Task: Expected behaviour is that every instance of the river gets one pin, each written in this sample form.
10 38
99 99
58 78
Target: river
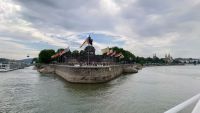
152 90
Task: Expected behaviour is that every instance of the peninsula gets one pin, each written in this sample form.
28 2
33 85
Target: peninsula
85 66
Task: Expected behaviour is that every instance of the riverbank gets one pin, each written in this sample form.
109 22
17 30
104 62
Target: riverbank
89 74
12 67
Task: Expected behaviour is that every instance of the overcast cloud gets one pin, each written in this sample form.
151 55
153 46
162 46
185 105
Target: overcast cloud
144 27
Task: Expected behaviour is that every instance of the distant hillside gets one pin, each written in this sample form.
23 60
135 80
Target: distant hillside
2 60
27 60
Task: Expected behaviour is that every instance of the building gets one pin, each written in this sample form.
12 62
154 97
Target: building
168 59
188 60
154 56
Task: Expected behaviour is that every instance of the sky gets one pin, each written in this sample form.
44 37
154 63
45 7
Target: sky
144 27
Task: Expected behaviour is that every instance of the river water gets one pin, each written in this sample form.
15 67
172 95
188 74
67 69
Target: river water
152 90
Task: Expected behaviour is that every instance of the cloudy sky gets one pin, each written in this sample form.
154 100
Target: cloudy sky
144 27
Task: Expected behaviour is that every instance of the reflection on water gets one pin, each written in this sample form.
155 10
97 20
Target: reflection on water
152 90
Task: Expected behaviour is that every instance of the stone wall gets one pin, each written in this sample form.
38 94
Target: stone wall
46 69
89 74
129 68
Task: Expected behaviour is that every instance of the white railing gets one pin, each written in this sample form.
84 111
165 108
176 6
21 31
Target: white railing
195 99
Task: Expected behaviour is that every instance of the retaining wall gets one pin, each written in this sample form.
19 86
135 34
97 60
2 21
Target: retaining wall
90 74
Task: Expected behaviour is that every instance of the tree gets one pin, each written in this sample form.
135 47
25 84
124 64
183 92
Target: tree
82 55
75 53
68 54
59 50
128 56
35 60
149 60
45 55
156 60
60 58
140 60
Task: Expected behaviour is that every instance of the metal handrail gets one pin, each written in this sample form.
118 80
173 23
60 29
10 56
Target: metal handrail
186 103
197 108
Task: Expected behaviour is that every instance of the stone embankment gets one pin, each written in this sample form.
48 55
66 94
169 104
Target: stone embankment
89 74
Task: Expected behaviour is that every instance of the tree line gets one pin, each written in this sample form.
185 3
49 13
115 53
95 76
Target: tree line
45 56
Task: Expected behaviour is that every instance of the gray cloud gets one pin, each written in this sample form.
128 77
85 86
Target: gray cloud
144 26
74 15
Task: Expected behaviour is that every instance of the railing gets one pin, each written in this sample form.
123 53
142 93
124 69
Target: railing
195 99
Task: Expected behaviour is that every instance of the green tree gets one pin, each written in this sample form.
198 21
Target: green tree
140 60
59 50
156 60
60 58
128 56
68 54
35 60
45 55
75 53
83 55
149 60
